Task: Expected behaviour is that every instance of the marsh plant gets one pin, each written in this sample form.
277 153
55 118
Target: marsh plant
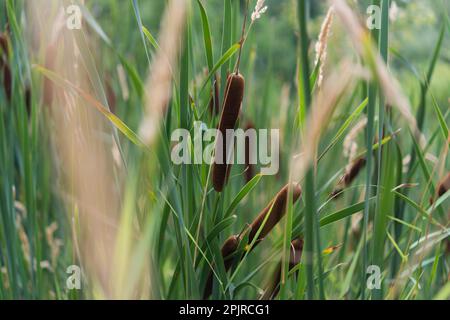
224 149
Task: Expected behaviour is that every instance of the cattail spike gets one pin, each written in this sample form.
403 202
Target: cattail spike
444 185
276 210
234 93
350 175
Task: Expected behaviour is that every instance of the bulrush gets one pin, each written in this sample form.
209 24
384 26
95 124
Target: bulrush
3 49
7 81
4 66
234 93
276 208
444 185
349 176
296 250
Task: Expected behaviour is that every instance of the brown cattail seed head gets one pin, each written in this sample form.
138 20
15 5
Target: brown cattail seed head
277 209
349 176
4 66
3 49
230 246
4 43
234 93
444 185
28 99
296 252
354 170
7 81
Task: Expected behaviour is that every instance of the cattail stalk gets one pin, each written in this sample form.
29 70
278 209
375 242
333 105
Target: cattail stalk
276 209
249 167
234 94
214 103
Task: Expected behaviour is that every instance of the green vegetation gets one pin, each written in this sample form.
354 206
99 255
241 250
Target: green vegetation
87 178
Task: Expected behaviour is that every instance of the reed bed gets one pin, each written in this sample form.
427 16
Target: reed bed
88 180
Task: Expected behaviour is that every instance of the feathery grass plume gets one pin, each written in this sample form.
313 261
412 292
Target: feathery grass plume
54 243
92 193
322 44
273 288
350 142
322 109
159 84
363 43
276 209
50 33
260 8
234 93
249 167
